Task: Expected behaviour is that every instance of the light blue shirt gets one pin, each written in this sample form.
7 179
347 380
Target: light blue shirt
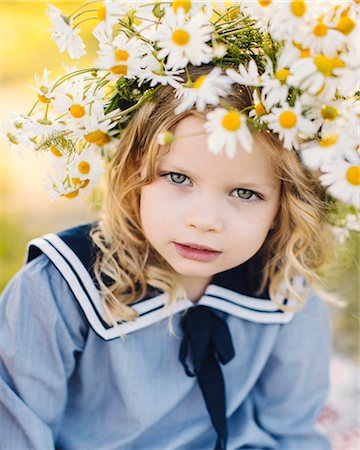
65 386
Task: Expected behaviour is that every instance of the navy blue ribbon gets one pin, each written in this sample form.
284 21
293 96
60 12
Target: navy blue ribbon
208 340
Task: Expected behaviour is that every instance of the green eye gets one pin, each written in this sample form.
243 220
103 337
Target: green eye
245 194
177 178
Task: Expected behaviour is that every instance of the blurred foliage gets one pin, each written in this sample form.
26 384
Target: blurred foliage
25 36
343 278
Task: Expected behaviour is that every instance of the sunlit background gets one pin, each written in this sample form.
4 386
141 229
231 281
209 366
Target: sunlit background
26 211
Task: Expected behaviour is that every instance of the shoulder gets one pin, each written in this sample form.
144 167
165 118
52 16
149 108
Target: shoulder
310 330
38 295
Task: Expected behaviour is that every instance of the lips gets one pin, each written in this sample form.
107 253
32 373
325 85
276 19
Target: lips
200 247
196 252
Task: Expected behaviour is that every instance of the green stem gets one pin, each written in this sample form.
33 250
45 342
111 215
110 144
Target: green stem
73 74
47 110
82 6
143 99
32 109
84 20
84 12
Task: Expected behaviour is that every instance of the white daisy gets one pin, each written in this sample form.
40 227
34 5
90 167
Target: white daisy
86 168
57 157
64 36
96 130
205 90
345 17
16 135
288 122
328 149
320 38
249 76
226 130
44 87
275 90
121 57
291 52
316 75
190 6
259 9
59 184
343 181
183 40
259 109
153 70
109 12
77 98
287 17
349 74
43 126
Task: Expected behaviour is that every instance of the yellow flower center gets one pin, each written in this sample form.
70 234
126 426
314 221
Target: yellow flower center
121 55
84 167
287 119
282 75
305 53
259 109
121 69
180 37
264 3
102 12
56 152
43 99
298 8
329 112
77 111
329 139
185 4
72 194
345 25
320 30
353 175
325 65
337 63
12 138
199 81
84 183
231 121
97 137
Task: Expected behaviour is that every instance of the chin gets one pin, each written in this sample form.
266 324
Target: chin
194 269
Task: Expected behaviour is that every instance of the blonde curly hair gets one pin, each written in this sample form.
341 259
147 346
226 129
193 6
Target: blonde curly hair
126 264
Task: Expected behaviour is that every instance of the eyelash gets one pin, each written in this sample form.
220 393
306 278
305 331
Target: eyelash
169 175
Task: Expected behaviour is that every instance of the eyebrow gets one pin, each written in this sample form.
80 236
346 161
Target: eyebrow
247 184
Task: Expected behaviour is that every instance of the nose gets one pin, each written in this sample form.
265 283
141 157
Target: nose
205 215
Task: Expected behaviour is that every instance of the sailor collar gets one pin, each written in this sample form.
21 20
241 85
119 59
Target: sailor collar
72 253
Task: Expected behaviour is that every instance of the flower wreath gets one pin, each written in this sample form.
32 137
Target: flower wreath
304 86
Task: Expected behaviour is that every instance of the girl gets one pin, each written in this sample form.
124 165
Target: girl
184 318
185 231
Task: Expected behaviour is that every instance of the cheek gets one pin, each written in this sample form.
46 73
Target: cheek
153 209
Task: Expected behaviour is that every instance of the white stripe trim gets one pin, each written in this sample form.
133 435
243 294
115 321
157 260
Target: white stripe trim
74 284
155 316
244 313
80 269
241 299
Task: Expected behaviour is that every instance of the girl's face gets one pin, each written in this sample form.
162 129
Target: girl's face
199 199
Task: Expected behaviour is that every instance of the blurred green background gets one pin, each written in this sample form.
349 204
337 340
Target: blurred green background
26 212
